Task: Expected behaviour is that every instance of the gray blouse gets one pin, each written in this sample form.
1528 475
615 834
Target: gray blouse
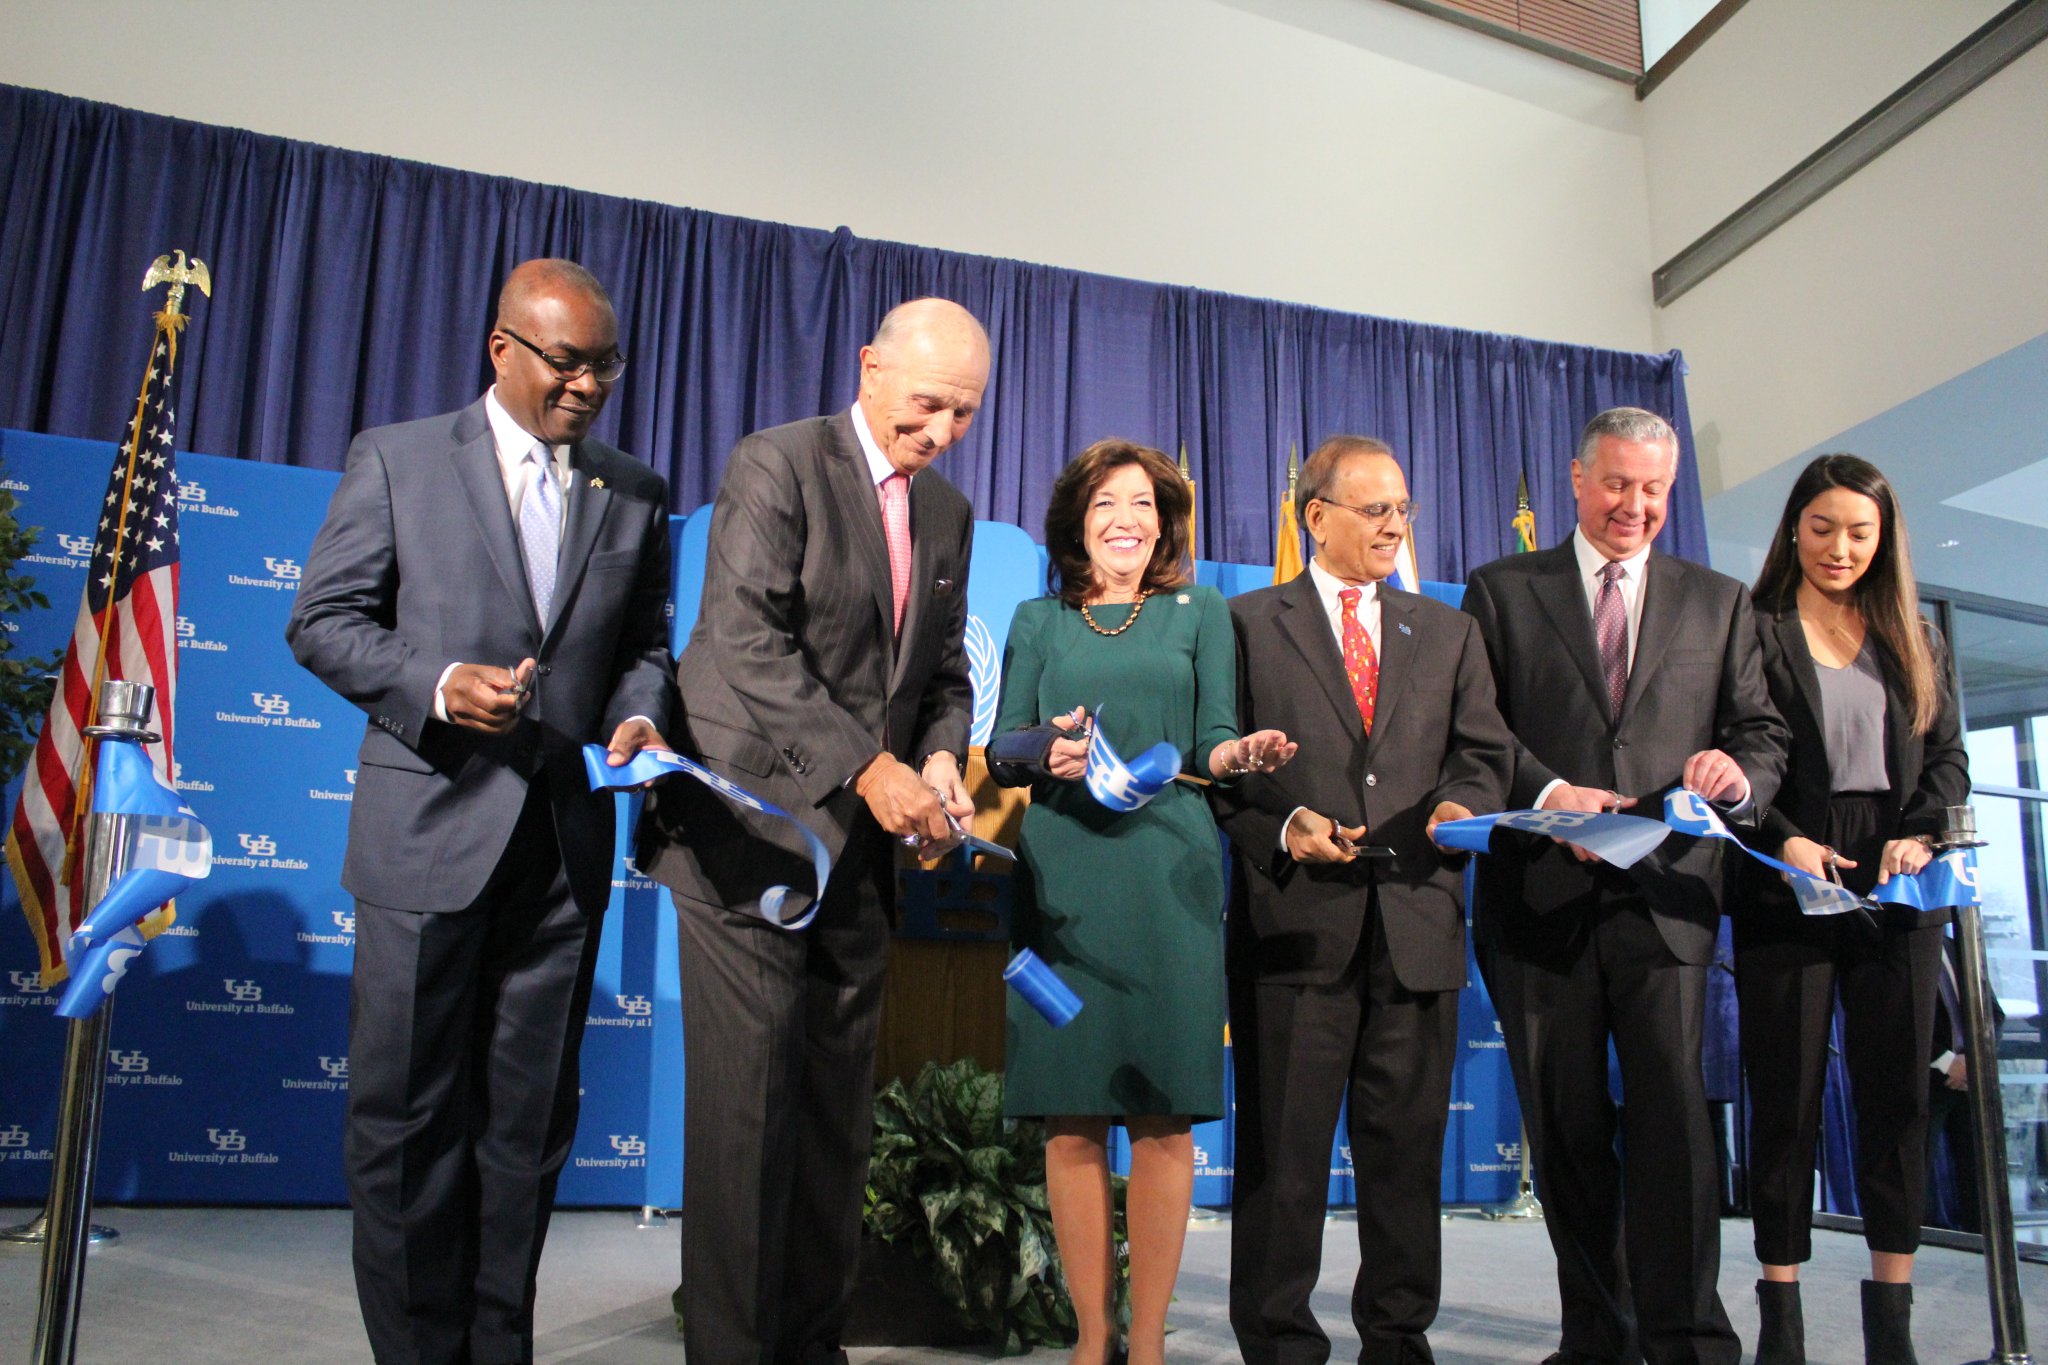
1852 710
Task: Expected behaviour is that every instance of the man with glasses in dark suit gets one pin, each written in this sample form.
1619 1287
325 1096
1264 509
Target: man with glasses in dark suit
488 586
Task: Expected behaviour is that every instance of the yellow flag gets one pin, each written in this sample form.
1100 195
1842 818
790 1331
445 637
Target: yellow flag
1287 553
1525 519
1187 477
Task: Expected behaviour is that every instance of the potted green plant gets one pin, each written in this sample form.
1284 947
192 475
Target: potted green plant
962 1190
25 683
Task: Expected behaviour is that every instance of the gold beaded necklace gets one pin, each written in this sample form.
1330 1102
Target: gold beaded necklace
1129 621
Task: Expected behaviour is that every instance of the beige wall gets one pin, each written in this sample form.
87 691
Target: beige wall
1346 153
1922 265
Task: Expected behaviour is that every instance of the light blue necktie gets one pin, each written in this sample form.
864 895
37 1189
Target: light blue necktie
540 528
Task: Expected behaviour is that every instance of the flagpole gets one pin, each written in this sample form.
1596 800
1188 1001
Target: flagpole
123 717
169 322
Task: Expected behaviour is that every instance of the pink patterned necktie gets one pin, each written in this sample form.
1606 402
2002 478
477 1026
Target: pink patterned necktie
1610 627
1361 664
895 493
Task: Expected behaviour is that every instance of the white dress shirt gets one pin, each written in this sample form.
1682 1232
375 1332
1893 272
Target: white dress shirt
879 467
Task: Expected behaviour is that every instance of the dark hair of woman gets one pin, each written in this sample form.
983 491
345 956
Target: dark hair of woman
1069 573
1885 596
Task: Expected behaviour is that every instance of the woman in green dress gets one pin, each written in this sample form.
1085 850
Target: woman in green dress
1126 906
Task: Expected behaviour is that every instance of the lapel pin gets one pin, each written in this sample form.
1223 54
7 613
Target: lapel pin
1182 599
1402 626
597 483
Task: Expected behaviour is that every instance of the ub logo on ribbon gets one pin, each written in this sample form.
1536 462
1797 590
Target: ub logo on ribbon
629 1144
271 703
635 1006
1122 786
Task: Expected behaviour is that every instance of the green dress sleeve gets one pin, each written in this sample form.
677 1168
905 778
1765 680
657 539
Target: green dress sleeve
1215 679
1023 662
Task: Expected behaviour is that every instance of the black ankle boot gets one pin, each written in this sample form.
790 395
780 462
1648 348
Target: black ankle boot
1888 1324
1781 1340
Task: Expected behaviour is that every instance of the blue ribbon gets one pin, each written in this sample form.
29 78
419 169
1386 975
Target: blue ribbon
778 904
168 849
1947 881
1624 840
1122 786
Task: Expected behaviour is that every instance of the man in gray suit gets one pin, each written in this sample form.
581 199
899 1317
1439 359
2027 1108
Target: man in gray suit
1623 674
826 674
1345 967
488 586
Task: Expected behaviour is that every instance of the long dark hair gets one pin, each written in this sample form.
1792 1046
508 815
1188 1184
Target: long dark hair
1069 574
1885 595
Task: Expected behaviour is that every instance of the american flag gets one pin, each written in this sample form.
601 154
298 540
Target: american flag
127 629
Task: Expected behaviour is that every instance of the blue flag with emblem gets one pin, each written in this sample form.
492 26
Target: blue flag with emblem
167 850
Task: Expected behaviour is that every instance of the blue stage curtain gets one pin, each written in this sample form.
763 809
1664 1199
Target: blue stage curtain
352 290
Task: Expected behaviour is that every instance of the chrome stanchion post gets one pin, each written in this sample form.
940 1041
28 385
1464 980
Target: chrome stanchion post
1987 1111
124 717
1524 1206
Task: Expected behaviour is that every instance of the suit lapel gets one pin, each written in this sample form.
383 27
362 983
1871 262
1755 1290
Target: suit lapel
1307 628
588 505
1563 599
483 483
1799 658
1397 659
1662 608
860 512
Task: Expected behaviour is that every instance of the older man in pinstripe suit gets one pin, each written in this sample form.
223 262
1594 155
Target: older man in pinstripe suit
826 673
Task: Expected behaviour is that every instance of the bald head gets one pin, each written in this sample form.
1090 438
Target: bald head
921 380
552 309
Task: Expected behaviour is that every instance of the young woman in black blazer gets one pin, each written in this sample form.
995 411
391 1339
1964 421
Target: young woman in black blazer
1876 755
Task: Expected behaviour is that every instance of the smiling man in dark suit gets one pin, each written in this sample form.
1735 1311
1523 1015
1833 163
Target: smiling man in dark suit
488 586
1345 967
826 674
1623 674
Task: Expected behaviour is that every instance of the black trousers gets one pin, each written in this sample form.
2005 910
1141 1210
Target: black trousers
1301 1051
779 1033
1789 971
1636 1277
464 1031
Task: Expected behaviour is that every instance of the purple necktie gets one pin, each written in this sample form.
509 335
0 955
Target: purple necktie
1610 626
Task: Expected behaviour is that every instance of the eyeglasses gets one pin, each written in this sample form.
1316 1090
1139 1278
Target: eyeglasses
568 369
1399 512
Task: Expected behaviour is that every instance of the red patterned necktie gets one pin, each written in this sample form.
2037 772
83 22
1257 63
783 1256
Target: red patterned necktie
895 493
1361 664
1610 626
